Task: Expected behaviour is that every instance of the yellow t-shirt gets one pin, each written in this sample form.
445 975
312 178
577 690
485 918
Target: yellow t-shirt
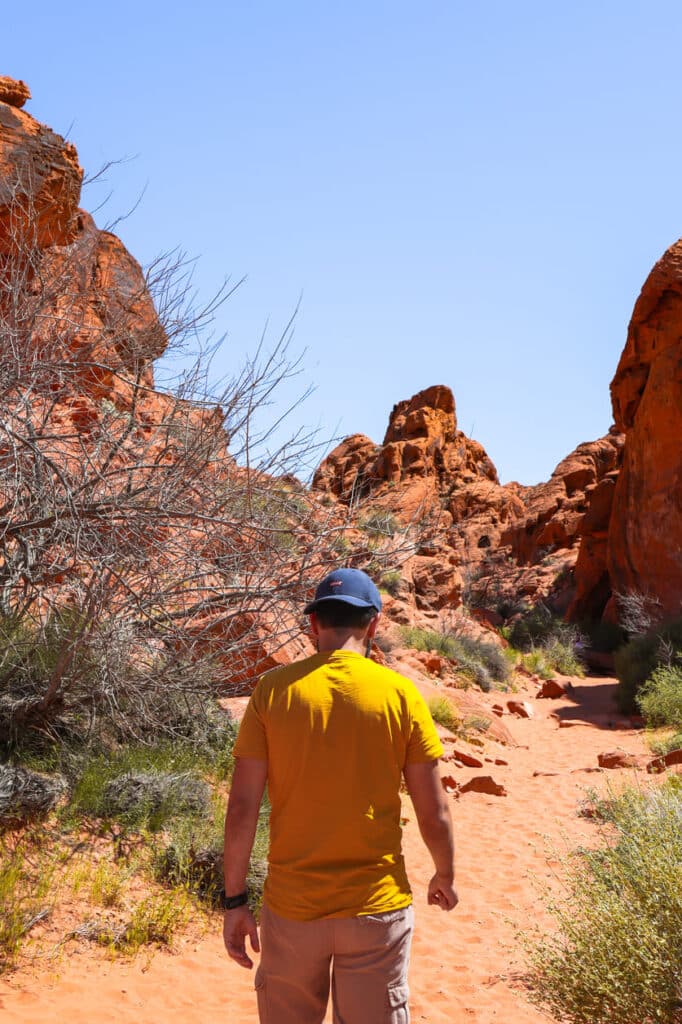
336 730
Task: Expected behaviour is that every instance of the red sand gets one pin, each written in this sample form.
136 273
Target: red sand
466 965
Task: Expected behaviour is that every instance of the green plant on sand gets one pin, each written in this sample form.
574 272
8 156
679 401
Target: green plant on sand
616 957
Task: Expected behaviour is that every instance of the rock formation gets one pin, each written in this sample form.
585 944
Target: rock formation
645 529
40 177
609 519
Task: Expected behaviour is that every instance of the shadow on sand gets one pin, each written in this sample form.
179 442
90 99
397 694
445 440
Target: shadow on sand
594 703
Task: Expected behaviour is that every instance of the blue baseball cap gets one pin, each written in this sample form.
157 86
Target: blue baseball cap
352 586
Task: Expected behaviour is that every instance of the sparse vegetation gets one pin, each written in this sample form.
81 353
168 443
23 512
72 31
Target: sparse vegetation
390 582
547 644
616 957
660 699
444 712
161 837
482 663
664 744
379 524
637 660
27 871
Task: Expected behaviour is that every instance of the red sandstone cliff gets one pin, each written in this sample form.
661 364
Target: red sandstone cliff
645 529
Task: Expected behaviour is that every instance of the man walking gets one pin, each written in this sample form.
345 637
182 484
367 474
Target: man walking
333 736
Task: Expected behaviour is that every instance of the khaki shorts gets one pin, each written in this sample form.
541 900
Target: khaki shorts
364 958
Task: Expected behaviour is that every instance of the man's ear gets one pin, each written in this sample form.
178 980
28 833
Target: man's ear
314 625
372 628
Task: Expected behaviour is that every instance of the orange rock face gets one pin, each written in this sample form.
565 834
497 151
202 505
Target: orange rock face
40 177
98 287
645 530
13 92
555 512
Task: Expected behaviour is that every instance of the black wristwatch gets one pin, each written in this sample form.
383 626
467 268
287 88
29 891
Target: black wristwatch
232 902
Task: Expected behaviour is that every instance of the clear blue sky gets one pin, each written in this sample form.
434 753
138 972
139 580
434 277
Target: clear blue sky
466 194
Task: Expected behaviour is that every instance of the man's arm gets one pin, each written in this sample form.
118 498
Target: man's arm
246 793
435 825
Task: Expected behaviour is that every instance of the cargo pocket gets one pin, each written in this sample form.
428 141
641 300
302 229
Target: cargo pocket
398 1009
261 996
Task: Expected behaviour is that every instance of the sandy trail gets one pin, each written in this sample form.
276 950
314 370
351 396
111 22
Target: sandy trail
466 965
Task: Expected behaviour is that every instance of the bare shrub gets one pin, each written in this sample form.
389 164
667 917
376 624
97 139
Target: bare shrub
154 545
639 612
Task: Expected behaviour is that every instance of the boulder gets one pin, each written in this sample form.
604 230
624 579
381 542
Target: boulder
552 688
483 784
467 759
659 764
520 708
617 759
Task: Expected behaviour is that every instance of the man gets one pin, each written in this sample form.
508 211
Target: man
333 736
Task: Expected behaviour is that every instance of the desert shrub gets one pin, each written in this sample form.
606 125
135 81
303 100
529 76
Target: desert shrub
605 637
443 712
379 524
664 744
637 660
191 854
660 699
553 644
537 627
476 723
106 884
25 794
427 640
639 613
616 957
93 773
153 799
536 662
390 582
154 921
562 656
483 663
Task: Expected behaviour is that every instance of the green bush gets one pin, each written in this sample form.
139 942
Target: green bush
548 643
637 660
443 712
616 957
390 582
481 662
427 640
562 656
660 699
664 744
536 662
93 772
536 627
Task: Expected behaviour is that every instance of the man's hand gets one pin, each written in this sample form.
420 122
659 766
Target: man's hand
237 924
442 893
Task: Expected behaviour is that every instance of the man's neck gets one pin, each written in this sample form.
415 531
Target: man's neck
333 641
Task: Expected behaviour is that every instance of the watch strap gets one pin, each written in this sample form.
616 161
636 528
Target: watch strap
232 902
